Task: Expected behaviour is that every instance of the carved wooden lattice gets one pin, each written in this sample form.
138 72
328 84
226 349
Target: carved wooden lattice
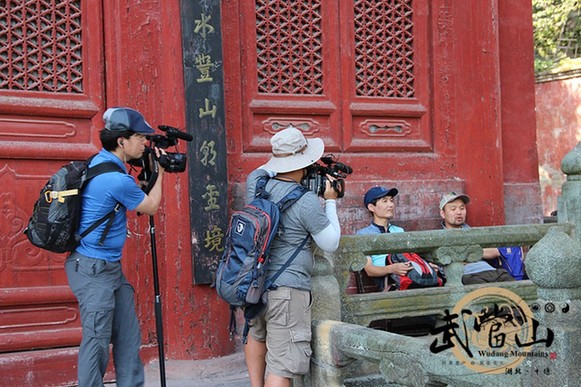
384 48
289 50
41 46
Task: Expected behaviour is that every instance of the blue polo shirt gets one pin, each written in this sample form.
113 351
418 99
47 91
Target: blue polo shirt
100 196
373 228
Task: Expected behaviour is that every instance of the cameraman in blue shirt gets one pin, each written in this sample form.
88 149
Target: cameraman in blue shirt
105 297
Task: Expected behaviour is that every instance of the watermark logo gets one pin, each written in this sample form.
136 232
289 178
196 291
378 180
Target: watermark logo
491 330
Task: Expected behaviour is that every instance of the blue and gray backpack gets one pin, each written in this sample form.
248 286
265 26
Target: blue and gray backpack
241 275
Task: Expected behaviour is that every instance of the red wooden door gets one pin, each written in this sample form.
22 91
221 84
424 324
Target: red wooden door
51 96
325 66
357 74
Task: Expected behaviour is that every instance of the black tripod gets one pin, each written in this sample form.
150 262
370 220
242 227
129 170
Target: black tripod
150 175
158 319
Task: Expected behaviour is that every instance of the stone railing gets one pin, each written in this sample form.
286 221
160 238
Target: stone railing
448 248
344 346
341 336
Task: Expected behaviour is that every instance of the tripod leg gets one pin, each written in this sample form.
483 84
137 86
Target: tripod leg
158 309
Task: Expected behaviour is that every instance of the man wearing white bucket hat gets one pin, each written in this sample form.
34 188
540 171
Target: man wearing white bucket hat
286 321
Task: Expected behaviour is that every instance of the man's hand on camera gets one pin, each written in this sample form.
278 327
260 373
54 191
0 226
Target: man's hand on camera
330 192
158 153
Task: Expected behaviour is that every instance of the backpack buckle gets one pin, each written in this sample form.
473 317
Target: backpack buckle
60 196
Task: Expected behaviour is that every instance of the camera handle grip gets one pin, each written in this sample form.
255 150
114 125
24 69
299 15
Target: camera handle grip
153 177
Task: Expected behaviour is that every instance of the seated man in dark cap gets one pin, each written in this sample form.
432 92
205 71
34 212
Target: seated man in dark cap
380 203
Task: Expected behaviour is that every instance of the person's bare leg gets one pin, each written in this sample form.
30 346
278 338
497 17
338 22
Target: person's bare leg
255 354
277 381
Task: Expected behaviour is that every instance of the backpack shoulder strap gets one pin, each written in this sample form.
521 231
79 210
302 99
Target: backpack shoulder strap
252 311
282 205
260 191
291 197
270 281
101 168
106 218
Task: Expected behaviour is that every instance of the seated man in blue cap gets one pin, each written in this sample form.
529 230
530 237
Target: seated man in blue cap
380 202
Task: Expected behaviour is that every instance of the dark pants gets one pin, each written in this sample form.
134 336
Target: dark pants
497 275
107 308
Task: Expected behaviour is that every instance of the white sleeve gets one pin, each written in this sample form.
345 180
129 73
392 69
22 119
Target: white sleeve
328 238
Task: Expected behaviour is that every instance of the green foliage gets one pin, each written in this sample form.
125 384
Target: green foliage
556 23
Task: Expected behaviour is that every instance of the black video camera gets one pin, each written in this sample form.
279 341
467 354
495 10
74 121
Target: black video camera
172 162
316 178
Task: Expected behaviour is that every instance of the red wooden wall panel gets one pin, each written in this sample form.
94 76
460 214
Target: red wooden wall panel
477 104
386 102
444 124
288 70
145 70
519 126
51 91
131 55
385 77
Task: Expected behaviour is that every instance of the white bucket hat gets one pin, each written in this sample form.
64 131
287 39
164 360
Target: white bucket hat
292 151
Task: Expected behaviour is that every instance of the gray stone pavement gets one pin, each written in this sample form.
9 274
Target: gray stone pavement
224 371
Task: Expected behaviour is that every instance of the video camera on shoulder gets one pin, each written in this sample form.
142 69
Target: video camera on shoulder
172 162
316 178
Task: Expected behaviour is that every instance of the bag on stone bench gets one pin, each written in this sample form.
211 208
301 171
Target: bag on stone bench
364 283
421 276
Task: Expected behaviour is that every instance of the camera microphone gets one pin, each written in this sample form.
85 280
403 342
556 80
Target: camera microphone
175 132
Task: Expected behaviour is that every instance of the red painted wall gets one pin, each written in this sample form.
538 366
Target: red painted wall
519 151
132 57
478 118
558 113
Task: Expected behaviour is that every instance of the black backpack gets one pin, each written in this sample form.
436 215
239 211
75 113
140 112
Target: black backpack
55 218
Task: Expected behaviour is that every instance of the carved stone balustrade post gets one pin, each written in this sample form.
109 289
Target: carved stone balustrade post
569 202
554 265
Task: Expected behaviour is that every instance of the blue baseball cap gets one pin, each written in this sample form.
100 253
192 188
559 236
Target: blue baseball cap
377 193
122 118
